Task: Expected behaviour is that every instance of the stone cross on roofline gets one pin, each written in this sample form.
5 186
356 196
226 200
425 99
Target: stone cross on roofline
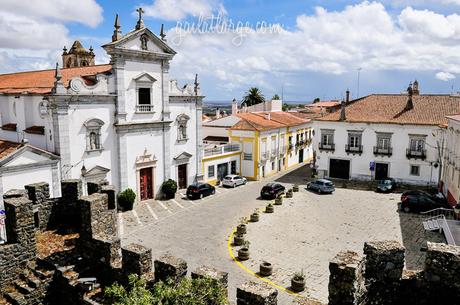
140 22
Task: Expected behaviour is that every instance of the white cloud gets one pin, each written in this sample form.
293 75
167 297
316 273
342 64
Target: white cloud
445 76
180 9
32 34
329 42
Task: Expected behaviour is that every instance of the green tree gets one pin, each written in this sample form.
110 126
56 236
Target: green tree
316 100
276 97
286 107
253 97
186 292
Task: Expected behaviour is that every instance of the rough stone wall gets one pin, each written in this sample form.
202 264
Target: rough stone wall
39 194
387 282
21 245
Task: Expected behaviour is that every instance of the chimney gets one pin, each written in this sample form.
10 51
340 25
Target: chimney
268 116
234 107
415 88
410 93
343 116
348 97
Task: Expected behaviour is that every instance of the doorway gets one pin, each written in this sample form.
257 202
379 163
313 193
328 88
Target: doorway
301 156
222 171
182 176
339 169
146 185
233 168
381 171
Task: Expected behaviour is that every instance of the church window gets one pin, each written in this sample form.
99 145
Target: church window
144 96
93 134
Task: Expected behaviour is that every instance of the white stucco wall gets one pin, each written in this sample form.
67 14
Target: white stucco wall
399 164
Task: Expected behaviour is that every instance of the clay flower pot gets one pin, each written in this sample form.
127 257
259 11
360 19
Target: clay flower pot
289 194
295 188
270 209
238 239
279 200
243 254
265 269
241 229
254 217
297 284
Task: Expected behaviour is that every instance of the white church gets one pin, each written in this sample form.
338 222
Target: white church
126 122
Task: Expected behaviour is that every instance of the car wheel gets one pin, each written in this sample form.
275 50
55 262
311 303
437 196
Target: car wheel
201 196
234 185
213 191
319 191
406 209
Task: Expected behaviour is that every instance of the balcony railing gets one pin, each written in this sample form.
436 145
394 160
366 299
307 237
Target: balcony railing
354 149
221 150
382 151
273 154
264 155
290 147
416 154
144 108
282 150
247 156
326 147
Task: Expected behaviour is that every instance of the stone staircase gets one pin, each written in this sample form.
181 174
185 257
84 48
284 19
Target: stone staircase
30 288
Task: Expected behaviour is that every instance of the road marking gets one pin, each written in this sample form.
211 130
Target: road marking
152 212
177 203
120 224
162 205
137 217
230 251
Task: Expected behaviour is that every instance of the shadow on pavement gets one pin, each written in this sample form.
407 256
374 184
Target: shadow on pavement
299 176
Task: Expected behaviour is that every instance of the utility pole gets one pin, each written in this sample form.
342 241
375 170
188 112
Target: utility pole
359 74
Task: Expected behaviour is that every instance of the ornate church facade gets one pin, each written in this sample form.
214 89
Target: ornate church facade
126 122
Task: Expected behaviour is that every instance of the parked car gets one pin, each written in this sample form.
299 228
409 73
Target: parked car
420 201
387 185
200 190
233 181
321 186
438 197
272 190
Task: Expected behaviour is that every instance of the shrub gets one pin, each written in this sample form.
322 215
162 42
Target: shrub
299 276
126 199
186 292
169 189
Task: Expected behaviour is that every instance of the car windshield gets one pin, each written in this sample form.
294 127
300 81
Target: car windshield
386 182
228 178
328 184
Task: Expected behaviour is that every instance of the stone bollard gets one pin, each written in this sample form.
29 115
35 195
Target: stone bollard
213 274
251 293
111 194
384 260
346 282
170 267
136 259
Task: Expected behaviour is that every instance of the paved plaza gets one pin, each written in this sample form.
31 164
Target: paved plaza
304 233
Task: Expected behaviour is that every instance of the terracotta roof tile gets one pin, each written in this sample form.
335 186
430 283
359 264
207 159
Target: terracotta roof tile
323 104
259 121
454 117
7 148
390 109
42 82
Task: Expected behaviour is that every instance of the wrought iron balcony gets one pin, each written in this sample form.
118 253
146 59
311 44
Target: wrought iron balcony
264 155
282 151
382 151
354 149
326 147
416 153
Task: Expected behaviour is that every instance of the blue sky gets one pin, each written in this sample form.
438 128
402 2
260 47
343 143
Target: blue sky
315 51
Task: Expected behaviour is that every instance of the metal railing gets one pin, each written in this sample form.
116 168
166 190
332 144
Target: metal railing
264 155
144 108
282 150
447 213
222 149
416 153
383 151
328 147
354 149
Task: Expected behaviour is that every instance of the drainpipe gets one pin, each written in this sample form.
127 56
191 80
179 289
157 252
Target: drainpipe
163 119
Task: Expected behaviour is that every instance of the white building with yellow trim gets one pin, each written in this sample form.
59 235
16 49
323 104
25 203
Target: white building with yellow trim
261 144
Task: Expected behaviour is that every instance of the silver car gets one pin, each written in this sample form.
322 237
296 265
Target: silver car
234 181
321 186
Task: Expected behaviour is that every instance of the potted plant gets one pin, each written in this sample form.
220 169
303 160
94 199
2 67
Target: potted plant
241 228
238 239
295 188
269 208
255 216
265 269
298 282
243 253
289 193
126 200
279 200
169 189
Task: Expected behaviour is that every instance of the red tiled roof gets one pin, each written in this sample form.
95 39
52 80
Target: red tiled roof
7 148
454 117
390 109
323 104
42 82
259 121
